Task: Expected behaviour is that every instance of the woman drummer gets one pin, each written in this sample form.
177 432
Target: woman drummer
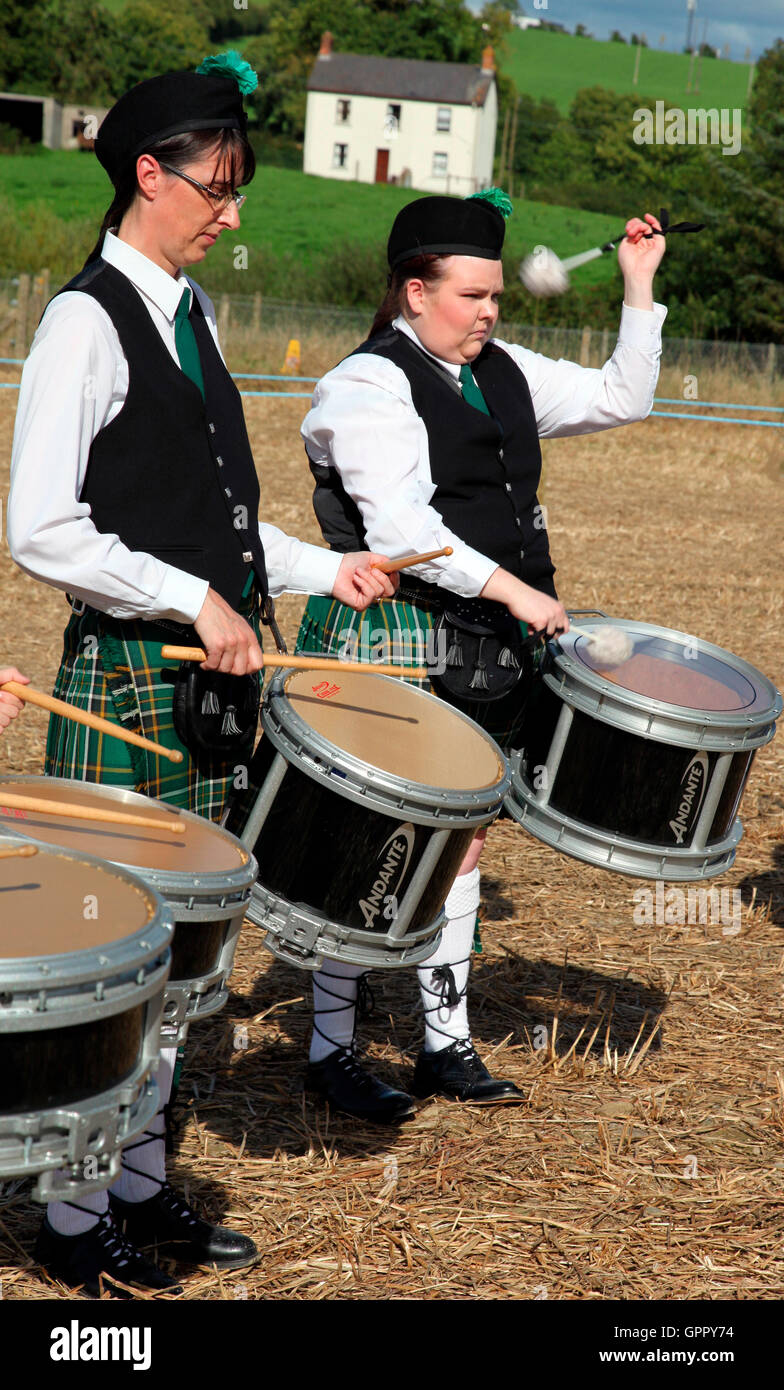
133 488
428 436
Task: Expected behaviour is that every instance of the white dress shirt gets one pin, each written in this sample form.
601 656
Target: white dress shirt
74 383
363 423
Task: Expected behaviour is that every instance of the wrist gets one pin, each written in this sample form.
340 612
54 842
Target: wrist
638 293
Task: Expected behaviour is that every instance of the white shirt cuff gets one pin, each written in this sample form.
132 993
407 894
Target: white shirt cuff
314 571
641 328
181 596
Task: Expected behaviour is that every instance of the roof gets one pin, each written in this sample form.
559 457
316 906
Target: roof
407 79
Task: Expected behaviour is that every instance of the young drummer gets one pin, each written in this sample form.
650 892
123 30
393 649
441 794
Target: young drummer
133 488
428 436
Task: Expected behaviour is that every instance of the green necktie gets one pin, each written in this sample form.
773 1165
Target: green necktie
185 343
471 392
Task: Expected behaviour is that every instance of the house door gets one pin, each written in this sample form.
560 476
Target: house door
382 165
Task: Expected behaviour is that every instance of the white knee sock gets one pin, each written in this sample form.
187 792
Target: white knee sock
144 1158
335 989
72 1218
447 1022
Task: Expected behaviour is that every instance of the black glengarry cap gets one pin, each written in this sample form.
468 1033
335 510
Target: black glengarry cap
440 226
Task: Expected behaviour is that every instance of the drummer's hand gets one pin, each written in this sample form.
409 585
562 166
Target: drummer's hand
358 584
10 705
230 642
542 613
639 256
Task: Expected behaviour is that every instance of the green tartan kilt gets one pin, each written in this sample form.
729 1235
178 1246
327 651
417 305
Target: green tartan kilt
397 631
115 669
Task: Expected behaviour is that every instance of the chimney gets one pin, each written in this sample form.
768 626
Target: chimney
326 45
488 59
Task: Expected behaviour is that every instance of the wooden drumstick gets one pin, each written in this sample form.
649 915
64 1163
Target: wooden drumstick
22 852
92 721
39 805
405 561
307 663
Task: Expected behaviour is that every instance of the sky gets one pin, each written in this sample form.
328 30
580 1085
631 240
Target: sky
755 26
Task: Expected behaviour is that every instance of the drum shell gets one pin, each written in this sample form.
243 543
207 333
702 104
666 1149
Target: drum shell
354 862
207 908
333 829
624 783
636 785
79 1039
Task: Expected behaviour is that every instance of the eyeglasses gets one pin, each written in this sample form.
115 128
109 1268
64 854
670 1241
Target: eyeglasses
219 200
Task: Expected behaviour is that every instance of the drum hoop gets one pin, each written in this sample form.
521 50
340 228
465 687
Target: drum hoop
750 731
204 883
290 733
63 969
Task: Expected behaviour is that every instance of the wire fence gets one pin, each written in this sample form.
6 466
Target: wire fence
256 327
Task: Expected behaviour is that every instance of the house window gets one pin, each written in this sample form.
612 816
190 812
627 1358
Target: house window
339 156
392 119
343 111
444 119
440 163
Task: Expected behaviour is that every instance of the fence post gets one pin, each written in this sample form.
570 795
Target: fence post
771 360
604 351
224 311
22 309
585 348
256 313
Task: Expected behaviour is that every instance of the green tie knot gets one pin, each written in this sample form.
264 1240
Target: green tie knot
471 393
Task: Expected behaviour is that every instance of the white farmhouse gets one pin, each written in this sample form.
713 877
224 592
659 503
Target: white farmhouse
425 125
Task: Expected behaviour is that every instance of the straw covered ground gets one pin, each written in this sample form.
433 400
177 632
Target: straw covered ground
647 1160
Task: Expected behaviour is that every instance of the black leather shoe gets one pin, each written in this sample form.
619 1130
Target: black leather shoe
101 1253
167 1221
348 1087
458 1073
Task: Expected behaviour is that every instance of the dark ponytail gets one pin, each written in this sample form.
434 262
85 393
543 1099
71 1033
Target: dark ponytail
179 151
429 268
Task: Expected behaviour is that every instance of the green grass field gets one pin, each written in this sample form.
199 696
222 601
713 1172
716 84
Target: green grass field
555 66
287 213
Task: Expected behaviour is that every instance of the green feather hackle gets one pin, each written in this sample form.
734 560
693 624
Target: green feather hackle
497 199
230 65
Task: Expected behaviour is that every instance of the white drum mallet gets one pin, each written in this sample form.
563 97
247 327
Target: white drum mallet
545 274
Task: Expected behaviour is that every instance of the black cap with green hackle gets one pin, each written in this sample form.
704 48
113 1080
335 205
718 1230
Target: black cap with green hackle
208 99
440 226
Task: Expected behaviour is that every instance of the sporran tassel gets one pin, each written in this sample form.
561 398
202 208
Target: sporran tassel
230 725
479 680
507 659
209 704
454 656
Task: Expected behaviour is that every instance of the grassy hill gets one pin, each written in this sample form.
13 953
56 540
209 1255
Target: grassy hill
287 215
547 64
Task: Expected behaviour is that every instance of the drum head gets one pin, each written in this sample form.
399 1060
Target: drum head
674 669
203 849
52 903
395 728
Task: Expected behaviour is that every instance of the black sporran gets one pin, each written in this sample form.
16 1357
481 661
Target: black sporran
215 715
485 655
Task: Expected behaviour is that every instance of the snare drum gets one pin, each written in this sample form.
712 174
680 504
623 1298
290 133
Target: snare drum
84 958
641 769
204 875
364 796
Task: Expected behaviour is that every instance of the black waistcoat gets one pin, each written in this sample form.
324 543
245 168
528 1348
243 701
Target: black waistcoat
172 474
486 468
